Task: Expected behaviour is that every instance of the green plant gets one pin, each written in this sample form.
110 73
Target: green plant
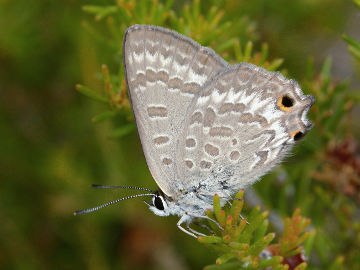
242 244
245 243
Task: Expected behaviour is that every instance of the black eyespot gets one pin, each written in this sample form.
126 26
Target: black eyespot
287 101
158 203
298 135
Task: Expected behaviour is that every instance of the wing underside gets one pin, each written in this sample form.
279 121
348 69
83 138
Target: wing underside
164 72
238 127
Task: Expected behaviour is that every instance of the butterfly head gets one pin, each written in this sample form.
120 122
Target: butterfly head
159 205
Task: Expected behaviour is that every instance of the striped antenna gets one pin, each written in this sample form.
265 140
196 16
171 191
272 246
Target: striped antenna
80 212
124 187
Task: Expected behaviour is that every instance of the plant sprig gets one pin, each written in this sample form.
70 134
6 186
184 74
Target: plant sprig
246 244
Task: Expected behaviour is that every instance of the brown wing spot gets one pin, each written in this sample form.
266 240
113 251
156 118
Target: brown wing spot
262 120
199 70
205 164
163 76
226 108
234 155
151 75
175 83
297 135
196 118
220 132
190 143
285 103
249 118
234 141
161 140
166 161
157 111
209 117
245 118
190 88
239 107
189 164
211 150
182 61
140 80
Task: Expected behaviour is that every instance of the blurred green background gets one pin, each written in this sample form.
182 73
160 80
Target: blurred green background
50 152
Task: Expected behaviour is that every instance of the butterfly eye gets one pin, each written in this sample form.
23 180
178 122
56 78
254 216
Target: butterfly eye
297 135
285 103
157 202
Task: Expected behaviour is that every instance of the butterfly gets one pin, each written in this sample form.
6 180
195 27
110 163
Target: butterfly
206 127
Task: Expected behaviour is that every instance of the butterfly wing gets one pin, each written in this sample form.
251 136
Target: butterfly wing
239 126
164 70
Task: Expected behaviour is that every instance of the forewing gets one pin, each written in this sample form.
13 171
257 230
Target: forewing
164 70
239 126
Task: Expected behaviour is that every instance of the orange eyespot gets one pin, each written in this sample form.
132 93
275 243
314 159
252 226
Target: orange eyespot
297 135
285 103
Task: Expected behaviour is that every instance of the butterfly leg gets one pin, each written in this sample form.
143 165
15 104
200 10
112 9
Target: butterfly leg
205 227
185 218
193 231
206 217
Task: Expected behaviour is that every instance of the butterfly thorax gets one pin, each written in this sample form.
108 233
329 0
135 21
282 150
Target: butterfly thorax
193 202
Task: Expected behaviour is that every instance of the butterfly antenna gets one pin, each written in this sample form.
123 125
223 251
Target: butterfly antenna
80 212
124 187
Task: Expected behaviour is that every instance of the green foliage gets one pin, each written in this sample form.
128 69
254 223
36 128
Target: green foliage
50 153
330 115
245 243
354 46
332 99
